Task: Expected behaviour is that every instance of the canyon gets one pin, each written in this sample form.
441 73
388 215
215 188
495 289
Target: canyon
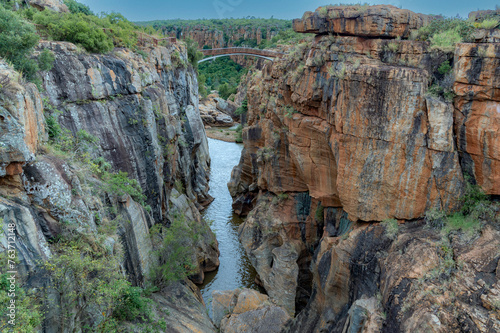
342 133
351 169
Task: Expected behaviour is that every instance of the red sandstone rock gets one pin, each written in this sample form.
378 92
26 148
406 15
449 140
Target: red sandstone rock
372 21
477 112
354 130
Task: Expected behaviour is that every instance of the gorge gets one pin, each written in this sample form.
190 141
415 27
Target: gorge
364 197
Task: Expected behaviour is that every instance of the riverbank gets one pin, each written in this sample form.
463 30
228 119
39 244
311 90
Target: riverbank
227 134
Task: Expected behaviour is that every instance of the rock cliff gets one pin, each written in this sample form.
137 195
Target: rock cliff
345 131
224 37
121 112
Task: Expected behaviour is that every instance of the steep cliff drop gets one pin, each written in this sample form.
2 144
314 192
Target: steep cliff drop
127 157
345 132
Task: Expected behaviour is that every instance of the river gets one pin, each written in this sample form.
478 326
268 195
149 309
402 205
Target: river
235 270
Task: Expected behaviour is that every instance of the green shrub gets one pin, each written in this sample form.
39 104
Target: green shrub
17 40
391 228
202 89
54 130
175 250
338 71
46 60
29 315
192 52
239 137
319 214
446 40
472 197
463 28
489 23
445 68
132 305
120 184
87 30
226 90
458 221
242 109
476 207
75 28
177 61
435 218
222 71
76 7
290 111
85 280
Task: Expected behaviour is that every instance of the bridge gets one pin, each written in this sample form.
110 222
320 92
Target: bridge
229 51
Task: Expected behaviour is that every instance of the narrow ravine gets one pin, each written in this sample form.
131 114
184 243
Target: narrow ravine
235 270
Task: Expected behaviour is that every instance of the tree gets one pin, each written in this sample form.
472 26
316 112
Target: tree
17 40
85 281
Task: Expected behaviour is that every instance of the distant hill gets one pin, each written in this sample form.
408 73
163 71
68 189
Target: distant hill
213 33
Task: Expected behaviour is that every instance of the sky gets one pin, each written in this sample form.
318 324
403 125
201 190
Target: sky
146 10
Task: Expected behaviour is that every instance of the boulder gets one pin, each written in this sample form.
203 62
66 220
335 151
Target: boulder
216 111
55 5
269 319
229 302
228 107
246 311
181 306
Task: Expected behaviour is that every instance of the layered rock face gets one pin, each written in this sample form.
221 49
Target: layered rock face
219 38
477 112
22 124
361 20
343 132
353 129
141 116
366 282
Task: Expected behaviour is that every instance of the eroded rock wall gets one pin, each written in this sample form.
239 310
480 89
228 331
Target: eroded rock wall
141 114
352 128
348 122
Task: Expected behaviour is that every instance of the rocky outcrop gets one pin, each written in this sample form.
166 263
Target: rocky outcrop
221 37
477 116
22 126
181 306
116 112
343 132
328 136
365 282
361 20
246 310
277 236
217 112
55 5
206 254
127 102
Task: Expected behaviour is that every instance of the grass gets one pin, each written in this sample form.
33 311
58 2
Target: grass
489 24
445 41
475 211
391 228
338 72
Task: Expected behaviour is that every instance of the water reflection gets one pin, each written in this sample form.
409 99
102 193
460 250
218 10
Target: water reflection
235 270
